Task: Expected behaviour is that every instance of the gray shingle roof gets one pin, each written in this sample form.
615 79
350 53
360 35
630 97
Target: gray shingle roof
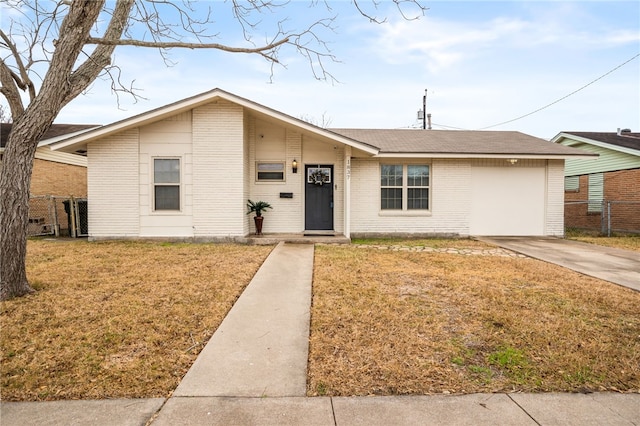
625 140
54 131
417 141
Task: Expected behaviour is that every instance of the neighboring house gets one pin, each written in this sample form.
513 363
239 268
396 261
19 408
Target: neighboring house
610 184
186 171
57 174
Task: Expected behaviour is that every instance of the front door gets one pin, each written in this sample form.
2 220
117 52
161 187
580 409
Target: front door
318 198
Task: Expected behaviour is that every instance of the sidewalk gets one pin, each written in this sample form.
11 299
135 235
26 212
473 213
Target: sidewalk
253 372
602 409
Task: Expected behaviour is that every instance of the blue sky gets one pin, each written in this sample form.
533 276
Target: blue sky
483 63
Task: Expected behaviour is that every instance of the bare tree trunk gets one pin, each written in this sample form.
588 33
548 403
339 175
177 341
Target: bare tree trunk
61 84
15 182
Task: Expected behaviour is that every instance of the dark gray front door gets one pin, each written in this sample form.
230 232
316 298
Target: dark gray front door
318 198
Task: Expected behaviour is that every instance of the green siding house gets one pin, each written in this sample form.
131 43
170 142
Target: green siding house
603 194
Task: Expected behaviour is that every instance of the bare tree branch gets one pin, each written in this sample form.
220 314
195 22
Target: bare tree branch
86 73
177 44
22 81
10 91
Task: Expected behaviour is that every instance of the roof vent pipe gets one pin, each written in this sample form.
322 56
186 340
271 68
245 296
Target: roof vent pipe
619 129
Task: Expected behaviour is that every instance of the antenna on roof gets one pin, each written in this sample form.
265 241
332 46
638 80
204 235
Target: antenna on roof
422 114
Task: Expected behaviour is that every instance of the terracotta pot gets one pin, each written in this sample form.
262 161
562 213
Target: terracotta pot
258 221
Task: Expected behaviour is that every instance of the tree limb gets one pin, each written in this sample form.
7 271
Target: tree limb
86 73
179 44
10 91
22 81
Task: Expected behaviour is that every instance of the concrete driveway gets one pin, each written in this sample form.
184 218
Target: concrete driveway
614 265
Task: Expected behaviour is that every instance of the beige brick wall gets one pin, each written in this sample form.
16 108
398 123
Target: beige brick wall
449 200
51 178
218 163
114 201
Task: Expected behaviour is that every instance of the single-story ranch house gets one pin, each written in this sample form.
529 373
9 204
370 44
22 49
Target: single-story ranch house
186 171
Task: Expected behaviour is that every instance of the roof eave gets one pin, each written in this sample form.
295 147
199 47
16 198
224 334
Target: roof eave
486 155
66 143
54 140
581 139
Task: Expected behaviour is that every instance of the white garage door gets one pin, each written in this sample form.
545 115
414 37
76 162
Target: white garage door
507 201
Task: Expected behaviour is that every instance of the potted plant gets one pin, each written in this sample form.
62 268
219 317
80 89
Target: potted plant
258 207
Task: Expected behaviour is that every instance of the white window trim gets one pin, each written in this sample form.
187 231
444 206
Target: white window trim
153 187
405 193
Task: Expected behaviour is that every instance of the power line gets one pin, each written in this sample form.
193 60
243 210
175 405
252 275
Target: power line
448 127
564 97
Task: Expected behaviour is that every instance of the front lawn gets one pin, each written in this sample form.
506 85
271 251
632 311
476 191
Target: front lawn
119 319
398 322
116 319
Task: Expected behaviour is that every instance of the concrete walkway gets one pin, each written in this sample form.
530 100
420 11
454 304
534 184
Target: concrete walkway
253 372
261 347
618 266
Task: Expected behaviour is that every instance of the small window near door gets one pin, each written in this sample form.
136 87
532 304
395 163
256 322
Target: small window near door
319 175
166 184
269 171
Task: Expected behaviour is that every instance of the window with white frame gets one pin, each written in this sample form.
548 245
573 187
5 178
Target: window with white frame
166 184
404 187
270 171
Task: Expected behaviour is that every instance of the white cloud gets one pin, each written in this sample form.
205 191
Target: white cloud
443 43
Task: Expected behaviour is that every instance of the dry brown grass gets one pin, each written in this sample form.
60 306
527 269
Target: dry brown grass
436 243
116 319
128 319
628 242
387 322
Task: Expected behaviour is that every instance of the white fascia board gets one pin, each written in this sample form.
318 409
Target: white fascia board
475 156
52 141
580 139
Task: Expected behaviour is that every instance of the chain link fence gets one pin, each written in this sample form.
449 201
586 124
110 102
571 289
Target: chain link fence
603 216
58 216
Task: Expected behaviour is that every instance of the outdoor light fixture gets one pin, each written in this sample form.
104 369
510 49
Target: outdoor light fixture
512 161
294 166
